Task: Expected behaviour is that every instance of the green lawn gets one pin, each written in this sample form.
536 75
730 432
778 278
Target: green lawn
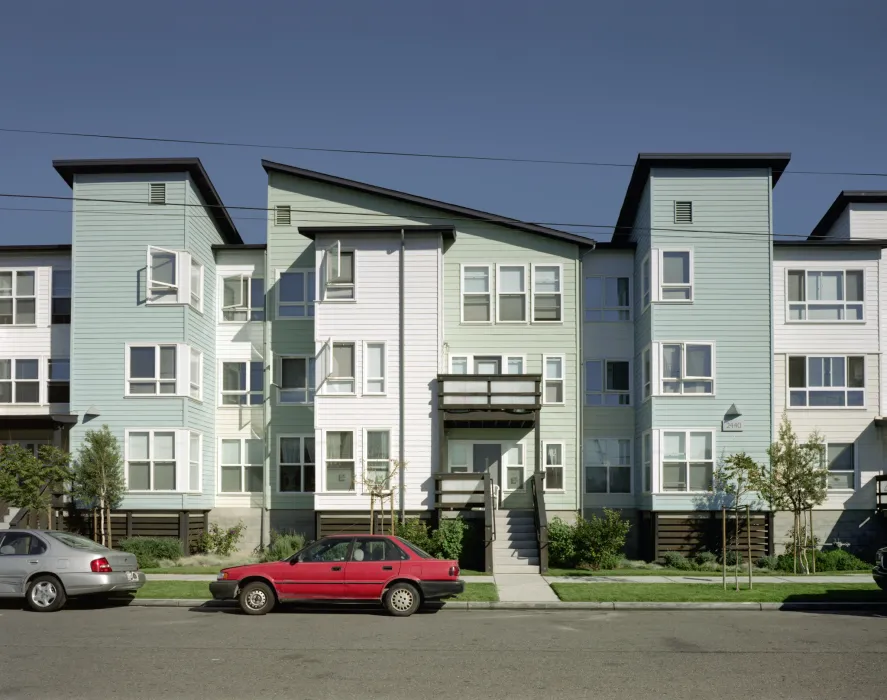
713 593
682 572
472 572
185 570
478 592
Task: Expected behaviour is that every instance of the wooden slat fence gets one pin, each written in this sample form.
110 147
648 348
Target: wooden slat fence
692 533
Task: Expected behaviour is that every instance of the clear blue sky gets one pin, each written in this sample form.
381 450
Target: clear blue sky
564 80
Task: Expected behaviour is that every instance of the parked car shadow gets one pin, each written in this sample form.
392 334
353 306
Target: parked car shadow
858 603
317 609
78 603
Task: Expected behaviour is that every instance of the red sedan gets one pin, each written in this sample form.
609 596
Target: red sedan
345 568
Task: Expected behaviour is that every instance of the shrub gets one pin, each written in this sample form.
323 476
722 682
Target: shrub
561 545
282 546
733 558
415 531
839 560
149 550
706 559
676 560
446 541
218 540
768 562
599 541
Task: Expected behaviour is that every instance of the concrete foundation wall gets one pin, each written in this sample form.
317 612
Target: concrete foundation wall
301 522
251 517
864 530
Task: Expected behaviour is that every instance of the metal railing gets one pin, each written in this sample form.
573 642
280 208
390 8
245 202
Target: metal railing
489 522
459 491
541 518
485 392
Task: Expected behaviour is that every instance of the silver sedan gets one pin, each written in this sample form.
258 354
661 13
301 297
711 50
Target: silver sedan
47 567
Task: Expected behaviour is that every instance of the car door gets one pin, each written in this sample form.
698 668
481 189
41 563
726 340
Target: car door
318 572
21 553
373 562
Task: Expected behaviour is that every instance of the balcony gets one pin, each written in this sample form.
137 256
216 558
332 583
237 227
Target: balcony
483 400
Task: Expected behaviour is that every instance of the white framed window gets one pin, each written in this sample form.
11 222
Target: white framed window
511 296
196 285
458 457
243 299
296 379
341 275
151 370
683 212
687 460
375 364
646 282
195 375
195 462
676 275
295 294
553 390
488 364
688 369
515 465
61 296
343 370
377 456
151 457
554 465
20 381
607 383
607 465
840 459
826 382
647 459
241 465
242 383
607 299
296 462
647 372
824 296
170 276
339 460
476 297
548 294
18 297
58 388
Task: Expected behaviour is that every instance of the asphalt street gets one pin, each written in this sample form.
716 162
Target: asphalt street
296 654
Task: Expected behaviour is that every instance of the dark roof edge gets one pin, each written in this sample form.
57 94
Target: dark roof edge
312 231
37 248
832 243
239 246
426 202
846 197
69 168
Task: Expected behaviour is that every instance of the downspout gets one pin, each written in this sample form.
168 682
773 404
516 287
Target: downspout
401 411
266 429
579 318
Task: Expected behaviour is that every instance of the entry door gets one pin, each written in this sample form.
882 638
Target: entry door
487 458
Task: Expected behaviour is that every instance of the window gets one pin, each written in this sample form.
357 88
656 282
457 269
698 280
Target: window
242 383
646 284
676 276
374 368
151 460
151 370
607 383
647 449
333 549
283 215
296 385
648 373
607 299
378 457
687 461
491 364
196 285
553 392
458 456
296 460
511 302
547 293
242 465
373 549
195 375
243 299
476 294
61 296
163 284
683 212
59 385
18 298
20 544
826 382
514 468
341 379
841 464
607 466
554 465
340 276
295 294
157 193
340 461
825 295
487 364
195 462
20 381
687 368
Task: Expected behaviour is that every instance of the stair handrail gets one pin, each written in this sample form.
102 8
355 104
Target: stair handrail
541 519
489 523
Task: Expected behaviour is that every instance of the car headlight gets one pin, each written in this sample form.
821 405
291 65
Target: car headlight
223 576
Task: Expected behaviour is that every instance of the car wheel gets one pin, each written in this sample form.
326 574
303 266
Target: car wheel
402 599
256 598
45 594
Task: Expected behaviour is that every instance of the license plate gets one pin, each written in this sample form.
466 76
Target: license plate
132 575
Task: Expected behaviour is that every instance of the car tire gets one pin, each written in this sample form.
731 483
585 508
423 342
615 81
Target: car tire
256 598
45 594
402 599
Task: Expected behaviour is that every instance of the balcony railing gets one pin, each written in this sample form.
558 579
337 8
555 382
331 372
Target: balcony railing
489 392
881 493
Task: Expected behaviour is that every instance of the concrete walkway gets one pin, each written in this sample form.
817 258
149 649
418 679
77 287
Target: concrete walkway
850 578
522 588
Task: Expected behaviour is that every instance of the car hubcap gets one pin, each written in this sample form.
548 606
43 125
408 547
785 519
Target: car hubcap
44 594
401 600
256 600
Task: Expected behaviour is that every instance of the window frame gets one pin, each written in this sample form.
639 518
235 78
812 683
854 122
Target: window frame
366 460
199 488
562 466
647 461
341 285
57 382
248 391
504 359
506 465
198 306
128 380
807 388
559 293
806 303
854 470
488 294
151 285
326 460
687 462
310 386
302 464
244 465
586 464
366 374
310 305
604 390
664 286
562 379
604 308
646 283
246 306
54 296
42 378
22 297
524 293
175 460
191 383
331 378
647 373
684 376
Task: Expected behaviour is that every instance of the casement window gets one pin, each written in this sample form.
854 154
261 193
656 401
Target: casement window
514 468
295 294
296 380
607 465
647 369
377 457
647 459
476 298
554 465
511 298
243 299
607 299
375 368
825 295
340 275
687 460
840 458
296 463
607 383
59 384
488 364
688 368
826 382
61 296
458 457
676 275
20 381
195 462
339 460
547 293
242 383
683 212
553 391
151 370
283 215
196 285
646 282
174 278
241 465
342 374
195 375
151 460
18 297
157 193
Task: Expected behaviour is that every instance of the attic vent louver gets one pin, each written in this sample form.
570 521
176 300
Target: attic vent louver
283 215
158 193
683 212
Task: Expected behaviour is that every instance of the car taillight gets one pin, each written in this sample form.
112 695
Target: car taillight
454 571
100 566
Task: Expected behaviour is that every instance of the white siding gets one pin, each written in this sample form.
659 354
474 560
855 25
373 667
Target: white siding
868 220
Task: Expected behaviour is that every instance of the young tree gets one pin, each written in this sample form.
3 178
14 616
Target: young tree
379 488
98 477
28 481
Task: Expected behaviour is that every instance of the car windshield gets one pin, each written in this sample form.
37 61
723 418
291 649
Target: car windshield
413 548
77 542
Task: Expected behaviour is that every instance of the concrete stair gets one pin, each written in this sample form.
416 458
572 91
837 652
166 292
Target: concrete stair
515 550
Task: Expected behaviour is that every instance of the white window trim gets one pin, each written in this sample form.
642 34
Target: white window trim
684 377
247 392
560 294
489 294
631 467
181 285
42 380
603 308
503 361
506 465
311 391
52 293
309 305
36 296
663 286
647 381
182 442
562 466
499 293
183 370
199 435
366 375
647 486
604 391
845 389
364 462
321 488
202 289
806 303
302 437
243 465
355 344
562 380
646 295
854 471
338 285
659 452
200 369
247 307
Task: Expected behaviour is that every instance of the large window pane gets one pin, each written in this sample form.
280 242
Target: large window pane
255 453
231 452
674 447
26 369
797 372
340 445
511 308
596 480
477 308
164 476
139 476
671 361
620 479
343 360
165 446
699 361
511 280
26 312
617 291
700 446
675 267
141 363
293 374
700 476
377 444
138 446
796 285
24 284
617 376
856 372
291 287
840 456
476 280
825 286
674 476
231 479
167 363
